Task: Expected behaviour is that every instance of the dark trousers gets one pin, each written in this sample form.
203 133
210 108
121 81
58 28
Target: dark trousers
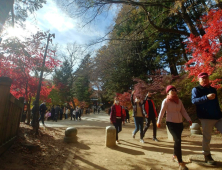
74 117
42 115
55 117
148 121
138 126
61 116
176 131
118 126
77 115
80 114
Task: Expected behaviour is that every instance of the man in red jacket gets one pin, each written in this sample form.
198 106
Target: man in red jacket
150 114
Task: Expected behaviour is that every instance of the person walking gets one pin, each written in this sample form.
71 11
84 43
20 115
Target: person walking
52 112
98 109
124 114
71 112
67 112
175 112
61 112
150 113
94 109
138 116
127 119
208 111
77 113
57 111
80 113
47 115
74 114
116 117
42 110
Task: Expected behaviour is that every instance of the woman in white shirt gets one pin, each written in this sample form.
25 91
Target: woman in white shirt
175 112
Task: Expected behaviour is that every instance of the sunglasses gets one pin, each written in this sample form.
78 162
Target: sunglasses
173 90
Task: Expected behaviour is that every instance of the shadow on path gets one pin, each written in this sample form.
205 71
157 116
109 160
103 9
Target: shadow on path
90 163
127 150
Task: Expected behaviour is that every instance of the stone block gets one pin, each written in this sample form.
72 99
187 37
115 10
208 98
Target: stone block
195 126
70 135
110 136
195 129
195 132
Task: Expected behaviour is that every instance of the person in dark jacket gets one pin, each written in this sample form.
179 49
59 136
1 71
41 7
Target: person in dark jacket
61 112
57 110
208 111
52 112
109 111
71 113
116 117
138 116
42 110
150 113
127 119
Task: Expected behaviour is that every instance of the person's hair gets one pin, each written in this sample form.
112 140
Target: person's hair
116 98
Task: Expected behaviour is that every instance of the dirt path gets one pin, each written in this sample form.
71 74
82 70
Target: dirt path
90 152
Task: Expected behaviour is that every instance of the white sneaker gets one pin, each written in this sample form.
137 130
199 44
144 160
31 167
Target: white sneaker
133 135
117 142
141 140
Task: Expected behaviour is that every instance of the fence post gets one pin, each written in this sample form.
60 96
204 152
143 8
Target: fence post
5 84
21 99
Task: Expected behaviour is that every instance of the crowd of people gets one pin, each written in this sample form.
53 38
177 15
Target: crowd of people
57 112
207 108
203 96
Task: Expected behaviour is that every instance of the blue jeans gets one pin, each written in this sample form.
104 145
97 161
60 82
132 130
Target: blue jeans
138 126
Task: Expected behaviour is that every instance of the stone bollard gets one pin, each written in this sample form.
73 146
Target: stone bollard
110 136
170 137
195 129
70 135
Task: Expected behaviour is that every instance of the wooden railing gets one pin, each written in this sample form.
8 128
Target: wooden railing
10 113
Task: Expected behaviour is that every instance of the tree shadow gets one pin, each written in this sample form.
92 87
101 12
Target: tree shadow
127 150
90 163
80 145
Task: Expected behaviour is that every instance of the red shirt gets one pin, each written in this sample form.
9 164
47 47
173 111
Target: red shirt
118 110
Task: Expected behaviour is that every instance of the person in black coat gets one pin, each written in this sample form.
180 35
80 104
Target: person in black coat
42 110
127 115
57 110
52 112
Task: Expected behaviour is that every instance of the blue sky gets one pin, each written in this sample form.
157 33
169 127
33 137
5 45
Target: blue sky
69 29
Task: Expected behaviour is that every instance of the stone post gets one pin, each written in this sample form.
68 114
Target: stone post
170 137
195 129
5 84
110 136
70 135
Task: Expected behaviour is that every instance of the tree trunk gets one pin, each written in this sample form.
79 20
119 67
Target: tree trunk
73 103
171 60
28 113
183 49
5 7
188 20
172 65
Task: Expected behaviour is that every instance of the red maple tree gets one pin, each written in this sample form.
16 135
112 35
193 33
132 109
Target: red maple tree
204 49
21 60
